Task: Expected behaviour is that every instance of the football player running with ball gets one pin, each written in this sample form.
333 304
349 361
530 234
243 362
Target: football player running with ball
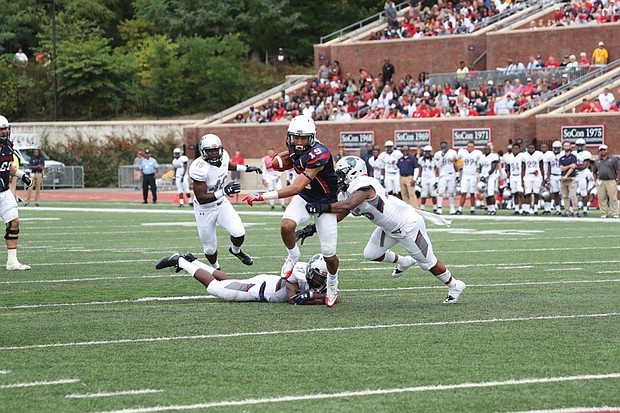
316 183
211 206
396 222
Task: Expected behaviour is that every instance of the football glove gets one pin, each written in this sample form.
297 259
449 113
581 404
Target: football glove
317 208
27 180
231 189
253 169
250 199
301 298
304 233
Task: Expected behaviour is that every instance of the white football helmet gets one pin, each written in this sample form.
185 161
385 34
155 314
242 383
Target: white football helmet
5 129
580 142
211 149
545 194
176 152
301 125
482 187
556 146
348 169
507 194
316 274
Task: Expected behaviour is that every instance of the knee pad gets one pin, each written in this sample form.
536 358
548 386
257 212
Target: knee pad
370 254
11 233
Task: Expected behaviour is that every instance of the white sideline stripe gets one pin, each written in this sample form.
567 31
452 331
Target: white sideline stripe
563 269
575 410
609 272
68 280
309 330
38 383
6 371
351 290
363 393
110 394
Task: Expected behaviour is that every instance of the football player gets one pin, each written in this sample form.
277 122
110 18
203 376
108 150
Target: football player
272 179
489 176
396 222
446 172
316 182
428 181
211 205
471 158
8 204
514 170
304 286
375 164
181 178
532 177
554 172
389 169
583 162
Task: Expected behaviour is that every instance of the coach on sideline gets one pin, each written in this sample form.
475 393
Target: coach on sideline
606 172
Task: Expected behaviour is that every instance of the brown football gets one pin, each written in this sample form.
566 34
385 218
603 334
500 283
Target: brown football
282 161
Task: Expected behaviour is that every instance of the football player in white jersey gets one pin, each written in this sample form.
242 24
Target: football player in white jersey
428 181
272 179
181 178
375 164
469 179
515 170
532 178
554 174
396 222
211 205
390 171
304 286
583 162
446 173
489 175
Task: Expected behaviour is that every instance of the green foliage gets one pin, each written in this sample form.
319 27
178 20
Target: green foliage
19 25
8 91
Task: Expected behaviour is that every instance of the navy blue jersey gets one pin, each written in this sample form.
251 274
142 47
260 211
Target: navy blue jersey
323 188
6 160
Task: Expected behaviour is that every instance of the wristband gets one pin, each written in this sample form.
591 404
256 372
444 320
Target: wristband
241 168
311 294
271 195
20 173
219 194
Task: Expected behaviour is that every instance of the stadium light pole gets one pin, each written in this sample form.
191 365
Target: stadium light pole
53 2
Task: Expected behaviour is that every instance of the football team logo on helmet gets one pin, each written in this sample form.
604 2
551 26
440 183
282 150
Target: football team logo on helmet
316 274
211 149
482 187
301 126
348 169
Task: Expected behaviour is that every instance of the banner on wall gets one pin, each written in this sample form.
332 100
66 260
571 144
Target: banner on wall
592 134
357 139
412 138
480 136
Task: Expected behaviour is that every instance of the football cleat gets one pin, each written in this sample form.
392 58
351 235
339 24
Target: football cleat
400 269
459 212
18 267
287 267
189 257
245 258
455 292
169 261
331 296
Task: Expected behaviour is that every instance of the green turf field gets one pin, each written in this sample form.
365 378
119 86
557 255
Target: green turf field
537 328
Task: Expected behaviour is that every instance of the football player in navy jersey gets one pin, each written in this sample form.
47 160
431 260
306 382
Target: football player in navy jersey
316 183
8 205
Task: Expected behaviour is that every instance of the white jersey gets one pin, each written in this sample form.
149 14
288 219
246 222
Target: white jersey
428 168
532 162
487 161
177 164
376 166
385 211
202 171
445 161
514 163
388 161
470 161
581 158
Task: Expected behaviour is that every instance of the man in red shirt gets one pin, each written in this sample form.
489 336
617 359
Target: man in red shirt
238 159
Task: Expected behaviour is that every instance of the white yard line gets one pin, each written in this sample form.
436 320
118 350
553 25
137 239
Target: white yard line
603 409
309 330
136 300
364 393
110 394
38 383
563 269
6 371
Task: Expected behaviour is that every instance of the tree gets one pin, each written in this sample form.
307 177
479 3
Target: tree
19 25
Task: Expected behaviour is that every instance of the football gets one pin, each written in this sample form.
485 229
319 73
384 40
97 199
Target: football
282 161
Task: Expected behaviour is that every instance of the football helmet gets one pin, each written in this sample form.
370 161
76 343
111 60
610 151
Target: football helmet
316 274
482 187
580 142
507 194
304 126
177 152
556 146
5 129
211 149
348 169
389 146
545 194
428 151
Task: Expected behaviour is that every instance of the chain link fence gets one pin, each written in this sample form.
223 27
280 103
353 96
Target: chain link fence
57 177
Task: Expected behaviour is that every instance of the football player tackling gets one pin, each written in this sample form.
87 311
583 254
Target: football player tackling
396 222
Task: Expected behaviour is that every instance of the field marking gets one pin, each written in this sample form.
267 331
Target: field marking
363 393
563 269
309 330
135 300
38 383
604 409
110 394
6 371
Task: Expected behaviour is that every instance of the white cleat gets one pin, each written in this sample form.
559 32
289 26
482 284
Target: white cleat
455 292
331 297
400 269
287 268
18 267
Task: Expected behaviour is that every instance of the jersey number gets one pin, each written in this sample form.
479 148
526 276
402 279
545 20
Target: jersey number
6 165
316 152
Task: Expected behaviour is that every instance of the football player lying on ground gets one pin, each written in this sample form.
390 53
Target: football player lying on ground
396 222
306 284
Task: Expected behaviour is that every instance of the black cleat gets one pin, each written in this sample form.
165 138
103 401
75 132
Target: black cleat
168 262
459 213
189 257
245 258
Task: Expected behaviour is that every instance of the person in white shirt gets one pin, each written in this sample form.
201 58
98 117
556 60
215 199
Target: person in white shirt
446 175
428 181
606 99
532 178
181 178
272 179
514 170
584 157
21 57
375 166
390 171
553 172
489 175
469 178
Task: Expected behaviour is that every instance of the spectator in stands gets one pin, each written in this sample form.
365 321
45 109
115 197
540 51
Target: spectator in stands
387 70
606 99
583 60
462 71
280 60
564 61
323 73
239 118
391 15
572 63
491 89
511 67
600 55
551 63
554 82
528 88
532 65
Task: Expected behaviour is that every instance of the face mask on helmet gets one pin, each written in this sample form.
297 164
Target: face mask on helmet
177 153
5 129
211 149
316 275
348 169
301 134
